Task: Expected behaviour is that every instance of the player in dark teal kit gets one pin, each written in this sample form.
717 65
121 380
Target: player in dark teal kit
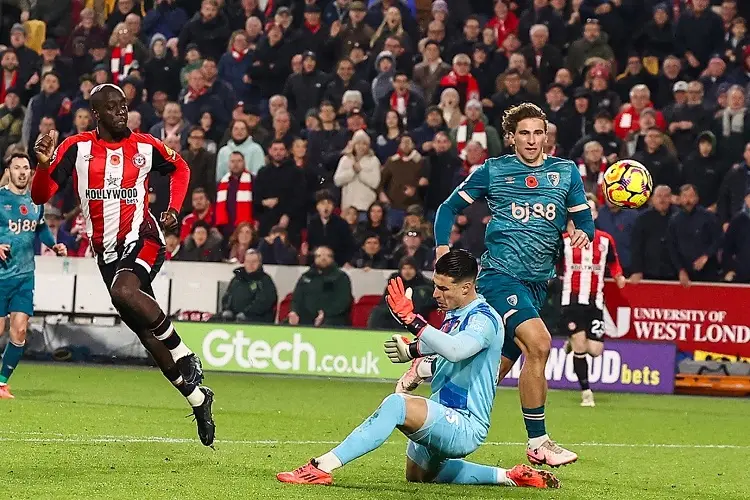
20 222
533 198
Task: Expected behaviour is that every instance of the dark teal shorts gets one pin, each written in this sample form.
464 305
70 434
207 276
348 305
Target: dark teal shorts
17 295
515 301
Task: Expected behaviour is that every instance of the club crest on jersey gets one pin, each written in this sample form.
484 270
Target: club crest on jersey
513 300
23 210
139 160
531 181
114 160
553 178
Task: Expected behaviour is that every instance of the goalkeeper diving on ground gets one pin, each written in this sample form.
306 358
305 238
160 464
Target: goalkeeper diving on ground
454 421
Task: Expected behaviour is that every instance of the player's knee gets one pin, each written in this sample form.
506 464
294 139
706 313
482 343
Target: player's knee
18 334
539 347
121 295
394 402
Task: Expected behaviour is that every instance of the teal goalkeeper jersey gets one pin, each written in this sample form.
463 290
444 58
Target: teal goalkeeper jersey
529 208
469 385
20 221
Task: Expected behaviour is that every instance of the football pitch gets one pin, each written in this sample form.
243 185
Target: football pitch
81 431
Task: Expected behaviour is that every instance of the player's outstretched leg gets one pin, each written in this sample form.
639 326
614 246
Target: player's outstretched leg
532 385
135 311
458 471
13 350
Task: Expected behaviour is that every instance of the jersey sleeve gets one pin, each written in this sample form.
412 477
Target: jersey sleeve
474 187
476 335
167 161
47 181
578 207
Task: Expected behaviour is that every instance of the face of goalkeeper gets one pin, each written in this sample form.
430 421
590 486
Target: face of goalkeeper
451 293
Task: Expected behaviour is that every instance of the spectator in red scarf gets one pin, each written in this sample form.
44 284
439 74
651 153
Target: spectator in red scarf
474 127
504 23
460 78
125 52
313 35
196 99
202 210
9 76
592 167
234 195
407 104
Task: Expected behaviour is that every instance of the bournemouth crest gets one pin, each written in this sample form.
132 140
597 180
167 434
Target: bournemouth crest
553 178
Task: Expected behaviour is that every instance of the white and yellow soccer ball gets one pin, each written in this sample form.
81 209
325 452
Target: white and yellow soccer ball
627 184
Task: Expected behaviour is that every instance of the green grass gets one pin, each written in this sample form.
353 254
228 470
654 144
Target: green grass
77 432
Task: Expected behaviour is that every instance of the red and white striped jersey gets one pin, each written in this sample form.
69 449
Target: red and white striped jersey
111 182
583 270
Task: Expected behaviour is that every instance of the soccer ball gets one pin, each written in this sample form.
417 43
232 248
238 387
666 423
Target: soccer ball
627 184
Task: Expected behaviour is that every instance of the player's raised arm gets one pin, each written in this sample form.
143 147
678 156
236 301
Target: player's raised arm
169 162
578 209
474 187
54 167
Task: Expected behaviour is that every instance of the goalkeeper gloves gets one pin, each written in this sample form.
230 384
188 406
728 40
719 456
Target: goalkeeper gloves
400 350
402 308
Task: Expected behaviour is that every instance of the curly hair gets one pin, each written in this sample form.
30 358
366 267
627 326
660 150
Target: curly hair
513 116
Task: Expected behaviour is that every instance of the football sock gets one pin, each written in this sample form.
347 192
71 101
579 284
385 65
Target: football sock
463 472
11 357
164 331
372 432
425 368
581 367
533 418
194 396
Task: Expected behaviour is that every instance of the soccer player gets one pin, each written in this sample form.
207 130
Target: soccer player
582 299
20 222
109 167
531 197
454 421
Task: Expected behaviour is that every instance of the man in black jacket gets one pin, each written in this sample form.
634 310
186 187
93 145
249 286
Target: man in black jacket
330 230
209 30
603 134
688 120
441 173
305 90
202 165
694 239
541 12
543 59
663 165
733 188
649 242
251 296
736 255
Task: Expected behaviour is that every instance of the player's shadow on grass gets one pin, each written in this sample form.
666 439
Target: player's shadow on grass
34 393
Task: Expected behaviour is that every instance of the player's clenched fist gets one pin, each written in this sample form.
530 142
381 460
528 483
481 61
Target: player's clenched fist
45 146
168 219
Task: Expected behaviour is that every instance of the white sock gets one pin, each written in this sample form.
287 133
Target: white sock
424 369
536 442
503 479
328 462
180 351
196 398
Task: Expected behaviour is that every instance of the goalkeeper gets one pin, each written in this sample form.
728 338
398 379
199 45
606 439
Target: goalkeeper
455 420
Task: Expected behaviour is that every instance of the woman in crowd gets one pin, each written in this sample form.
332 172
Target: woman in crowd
386 144
358 173
242 239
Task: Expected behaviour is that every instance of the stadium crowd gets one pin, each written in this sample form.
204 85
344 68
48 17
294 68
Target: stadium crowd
327 132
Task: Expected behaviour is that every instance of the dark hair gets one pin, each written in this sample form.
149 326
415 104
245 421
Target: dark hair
18 154
401 73
323 195
237 153
513 116
201 223
459 265
199 190
278 141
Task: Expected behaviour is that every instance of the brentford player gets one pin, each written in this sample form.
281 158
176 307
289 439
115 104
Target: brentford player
109 168
582 299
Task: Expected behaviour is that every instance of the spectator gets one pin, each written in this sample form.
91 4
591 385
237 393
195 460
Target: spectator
275 248
542 13
592 166
604 135
345 81
409 105
279 195
345 35
441 174
329 230
50 102
460 79
659 160
282 128
235 64
126 52
121 12
323 295
166 19
430 71
234 195
422 290
412 245
370 255
705 170
241 240
732 190
650 248
694 238
475 127
54 220
83 122
172 123
270 67
324 151
11 119
602 98
87 30
400 180
627 120
687 120
424 135
635 74
202 210
510 93
209 30
202 164
11 75
736 253
386 145
242 143
382 84
666 82
592 44
251 295
472 32
738 53
196 101
199 247
313 35
656 37
449 106
216 87
619 224
305 90
698 34
28 59
134 121
732 126
543 58
172 246
375 223
714 78
358 173
504 23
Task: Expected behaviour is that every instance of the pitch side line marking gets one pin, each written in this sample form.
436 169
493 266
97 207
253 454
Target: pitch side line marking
41 437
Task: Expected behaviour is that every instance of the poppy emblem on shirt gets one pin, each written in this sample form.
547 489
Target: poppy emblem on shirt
139 160
23 210
531 181
114 160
